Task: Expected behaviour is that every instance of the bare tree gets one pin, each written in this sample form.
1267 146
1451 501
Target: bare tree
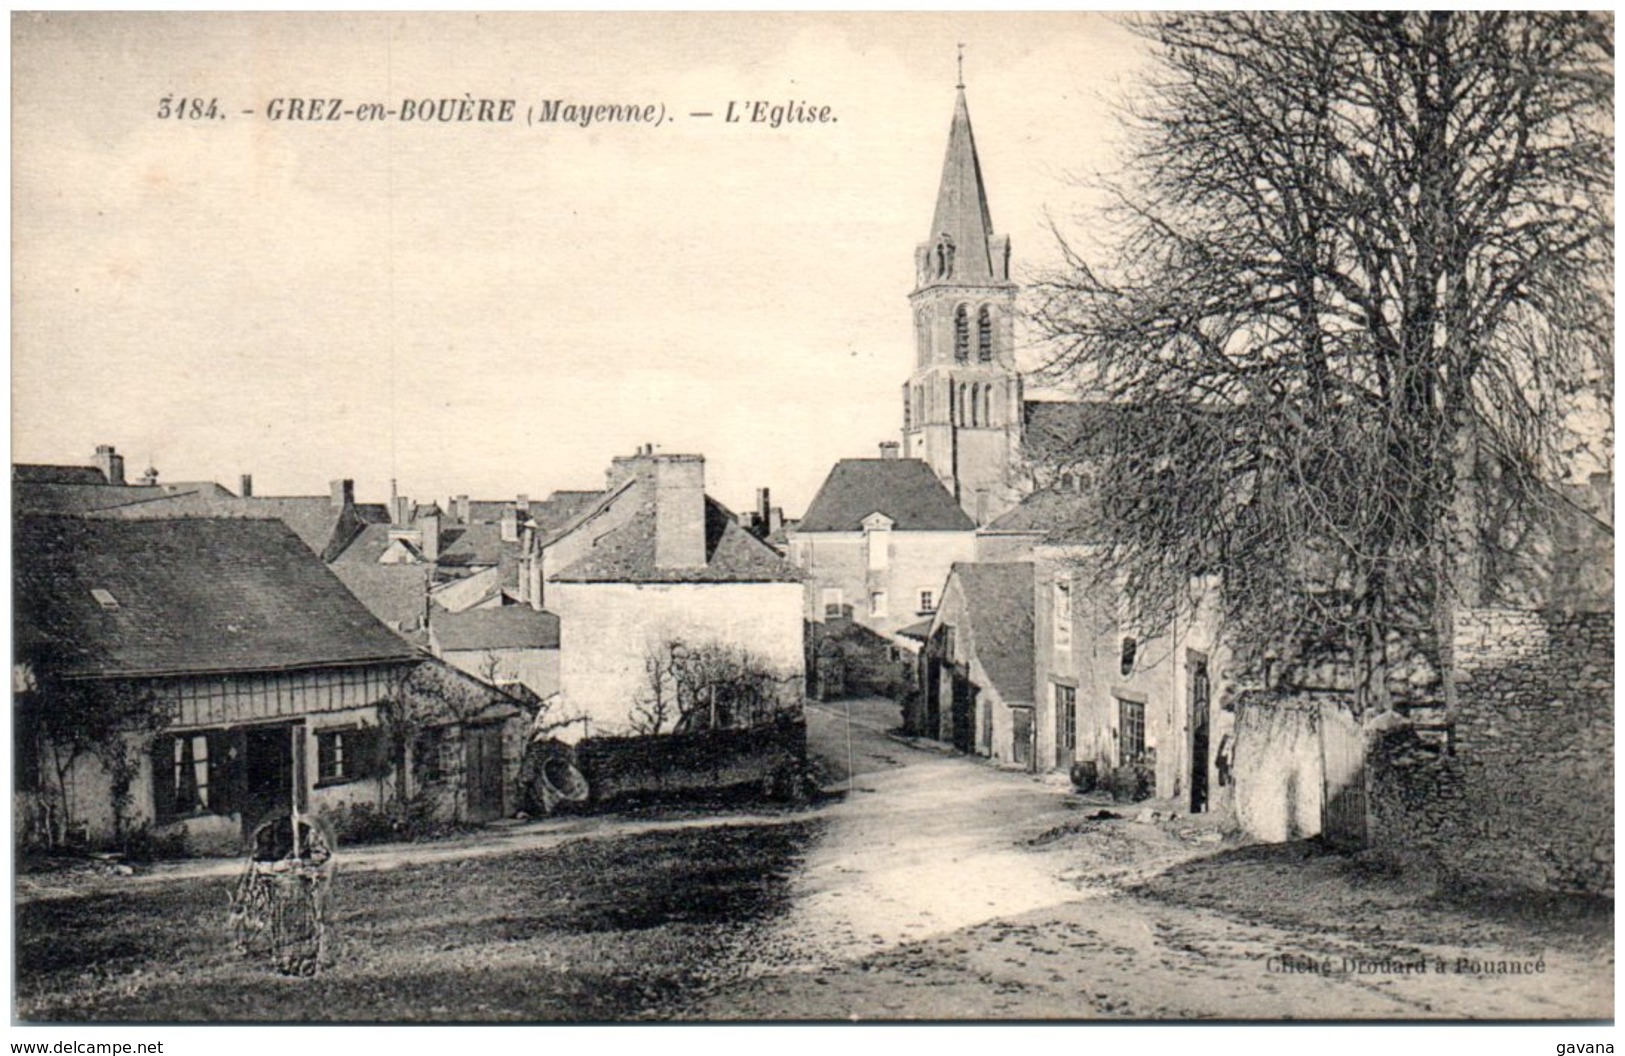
1363 264
708 685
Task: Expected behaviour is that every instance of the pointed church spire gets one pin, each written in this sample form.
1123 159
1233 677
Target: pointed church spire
962 230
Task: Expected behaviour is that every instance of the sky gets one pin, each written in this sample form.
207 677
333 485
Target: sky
493 309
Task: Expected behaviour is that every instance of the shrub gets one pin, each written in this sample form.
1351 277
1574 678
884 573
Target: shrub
1131 783
145 845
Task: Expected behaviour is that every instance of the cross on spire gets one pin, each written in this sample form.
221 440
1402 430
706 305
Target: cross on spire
961 83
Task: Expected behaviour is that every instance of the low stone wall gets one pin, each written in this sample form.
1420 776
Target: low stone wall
1520 794
679 763
1279 776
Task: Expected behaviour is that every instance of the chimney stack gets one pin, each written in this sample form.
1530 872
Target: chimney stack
461 510
245 486
679 486
523 503
888 449
111 463
399 510
343 493
764 509
429 523
510 525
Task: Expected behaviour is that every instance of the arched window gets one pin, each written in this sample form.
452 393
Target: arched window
908 408
975 404
964 404
962 333
984 334
987 404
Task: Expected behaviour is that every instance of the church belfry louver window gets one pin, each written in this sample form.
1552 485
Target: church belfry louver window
961 333
984 334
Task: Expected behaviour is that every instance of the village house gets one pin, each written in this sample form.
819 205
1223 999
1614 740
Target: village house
655 561
514 647
877 541
976 686
191 676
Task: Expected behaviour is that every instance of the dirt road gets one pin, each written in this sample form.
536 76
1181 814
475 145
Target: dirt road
943 888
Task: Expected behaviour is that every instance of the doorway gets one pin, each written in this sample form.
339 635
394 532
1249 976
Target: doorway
1200 695
482 746
1022 732
964 714
270 772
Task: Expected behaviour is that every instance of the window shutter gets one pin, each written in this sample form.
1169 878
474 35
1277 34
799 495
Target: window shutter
163 778
324 756
369 751
224 752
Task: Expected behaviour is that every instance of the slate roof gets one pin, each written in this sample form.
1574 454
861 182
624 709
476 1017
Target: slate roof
999 605
507 627
477 545
1057 515
732 555
962 212
549 513
44 497
189 596
1062 430
325 529
920 631
393 593
30 473
904 489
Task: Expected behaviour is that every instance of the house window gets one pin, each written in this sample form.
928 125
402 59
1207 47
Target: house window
1131 731
347 754
189 775
984 334
1062 603
1130 648
927 602
1066 719
832 602
962 333
877 603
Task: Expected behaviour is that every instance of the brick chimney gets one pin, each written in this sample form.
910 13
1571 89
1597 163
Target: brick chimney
888 449
679 494
764 509
461 511
343 492
245 486
111 463
400 511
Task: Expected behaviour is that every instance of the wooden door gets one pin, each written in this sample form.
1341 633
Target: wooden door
482 746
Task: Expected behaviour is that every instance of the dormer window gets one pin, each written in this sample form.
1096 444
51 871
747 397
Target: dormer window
945 257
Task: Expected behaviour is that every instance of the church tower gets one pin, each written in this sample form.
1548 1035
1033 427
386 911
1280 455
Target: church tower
962 404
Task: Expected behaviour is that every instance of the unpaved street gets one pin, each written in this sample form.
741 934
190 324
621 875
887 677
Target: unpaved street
942 888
